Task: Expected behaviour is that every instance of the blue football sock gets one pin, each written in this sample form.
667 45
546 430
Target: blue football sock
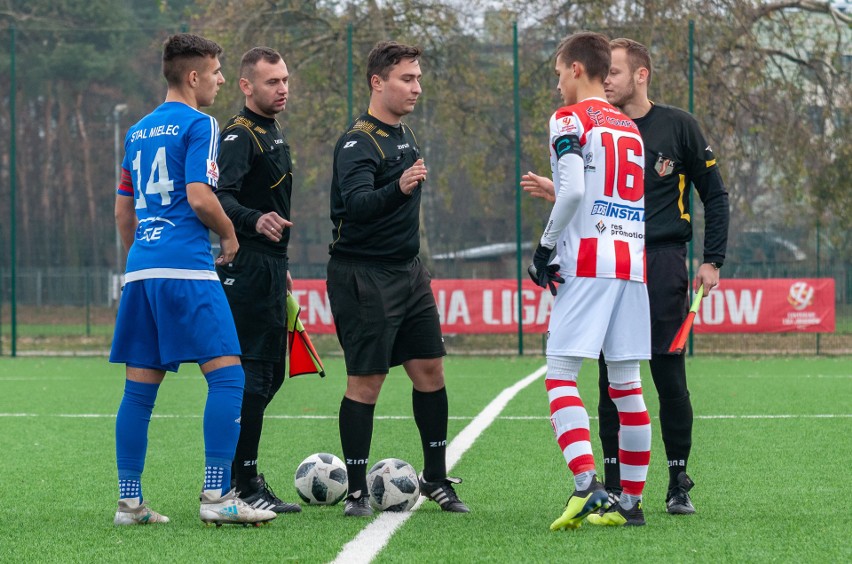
131 435
222 424
130 488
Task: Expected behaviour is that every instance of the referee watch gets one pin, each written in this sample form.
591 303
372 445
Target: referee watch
716 265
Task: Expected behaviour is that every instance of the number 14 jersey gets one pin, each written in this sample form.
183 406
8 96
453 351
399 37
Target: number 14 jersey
605 237
171 147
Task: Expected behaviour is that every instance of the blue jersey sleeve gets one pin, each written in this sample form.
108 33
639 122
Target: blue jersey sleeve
201 152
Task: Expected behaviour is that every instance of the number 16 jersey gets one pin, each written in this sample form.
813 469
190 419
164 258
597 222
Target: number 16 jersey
605 237
169 148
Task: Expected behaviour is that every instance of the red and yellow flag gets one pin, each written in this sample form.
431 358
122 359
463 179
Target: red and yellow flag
303 356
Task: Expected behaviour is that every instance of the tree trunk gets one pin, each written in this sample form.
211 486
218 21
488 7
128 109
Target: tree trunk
91 207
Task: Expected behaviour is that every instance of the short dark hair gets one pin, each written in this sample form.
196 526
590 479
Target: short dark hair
637 54
181 50
385 55
253 56
590 50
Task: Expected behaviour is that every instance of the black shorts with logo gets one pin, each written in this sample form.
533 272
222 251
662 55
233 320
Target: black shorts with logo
668 285
385 314
256 286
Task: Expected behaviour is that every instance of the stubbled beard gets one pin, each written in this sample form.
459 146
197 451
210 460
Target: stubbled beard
624 96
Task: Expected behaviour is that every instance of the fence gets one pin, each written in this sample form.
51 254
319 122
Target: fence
488 92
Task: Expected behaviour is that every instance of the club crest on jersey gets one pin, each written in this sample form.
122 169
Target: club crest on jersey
212 170
664 166
567 125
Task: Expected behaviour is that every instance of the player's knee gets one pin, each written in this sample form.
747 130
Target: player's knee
365 389
231 376
669 374
259 377
624 374
563 367
209 365
427 375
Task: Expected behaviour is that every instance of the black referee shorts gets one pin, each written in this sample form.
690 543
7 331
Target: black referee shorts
385 314
668 285
256 287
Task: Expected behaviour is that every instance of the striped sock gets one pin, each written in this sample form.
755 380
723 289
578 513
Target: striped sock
634 438
568 414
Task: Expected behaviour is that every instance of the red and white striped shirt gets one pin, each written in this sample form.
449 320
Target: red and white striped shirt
604 237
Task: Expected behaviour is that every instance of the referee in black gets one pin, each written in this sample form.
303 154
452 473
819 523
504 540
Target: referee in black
380 293
255 186
676 155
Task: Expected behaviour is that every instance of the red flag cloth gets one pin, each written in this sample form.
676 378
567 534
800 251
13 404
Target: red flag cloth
303 356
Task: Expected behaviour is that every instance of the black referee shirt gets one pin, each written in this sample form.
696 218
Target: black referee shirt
372 218
676 153
255 177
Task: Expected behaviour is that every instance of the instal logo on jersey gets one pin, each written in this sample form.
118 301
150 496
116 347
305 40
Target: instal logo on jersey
618 211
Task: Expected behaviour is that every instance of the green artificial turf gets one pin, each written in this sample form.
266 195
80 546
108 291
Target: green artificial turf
771 460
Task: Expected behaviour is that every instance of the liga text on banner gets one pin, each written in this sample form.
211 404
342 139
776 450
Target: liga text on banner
768 305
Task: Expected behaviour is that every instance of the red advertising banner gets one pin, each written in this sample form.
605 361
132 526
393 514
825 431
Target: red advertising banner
491 306
465 306
768 305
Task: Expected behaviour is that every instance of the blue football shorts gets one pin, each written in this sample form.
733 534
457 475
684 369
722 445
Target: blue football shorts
163 322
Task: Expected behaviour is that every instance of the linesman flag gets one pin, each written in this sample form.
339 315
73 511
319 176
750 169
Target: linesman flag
679 342
303 356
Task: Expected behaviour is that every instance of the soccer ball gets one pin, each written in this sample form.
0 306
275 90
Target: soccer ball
321 479
393 485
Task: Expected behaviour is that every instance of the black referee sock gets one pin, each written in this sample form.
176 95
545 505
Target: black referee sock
356 433
669 373
608 427
676 425
251 425
430 415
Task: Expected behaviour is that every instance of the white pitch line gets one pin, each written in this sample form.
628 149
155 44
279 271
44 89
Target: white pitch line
375 536
409 417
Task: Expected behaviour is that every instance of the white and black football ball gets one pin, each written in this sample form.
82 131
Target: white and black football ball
321 479
393 485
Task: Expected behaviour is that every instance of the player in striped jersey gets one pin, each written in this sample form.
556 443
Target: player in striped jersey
676 156
596 229
173 309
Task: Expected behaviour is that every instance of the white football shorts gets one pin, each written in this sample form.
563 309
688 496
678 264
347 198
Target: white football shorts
591 315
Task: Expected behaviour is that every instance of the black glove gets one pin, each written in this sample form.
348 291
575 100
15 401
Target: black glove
543 274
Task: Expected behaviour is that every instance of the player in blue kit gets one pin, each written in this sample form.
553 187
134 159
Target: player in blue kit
173 309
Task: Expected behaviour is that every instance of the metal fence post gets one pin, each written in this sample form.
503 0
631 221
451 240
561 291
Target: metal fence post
13 127
88 290
818 335
517 104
